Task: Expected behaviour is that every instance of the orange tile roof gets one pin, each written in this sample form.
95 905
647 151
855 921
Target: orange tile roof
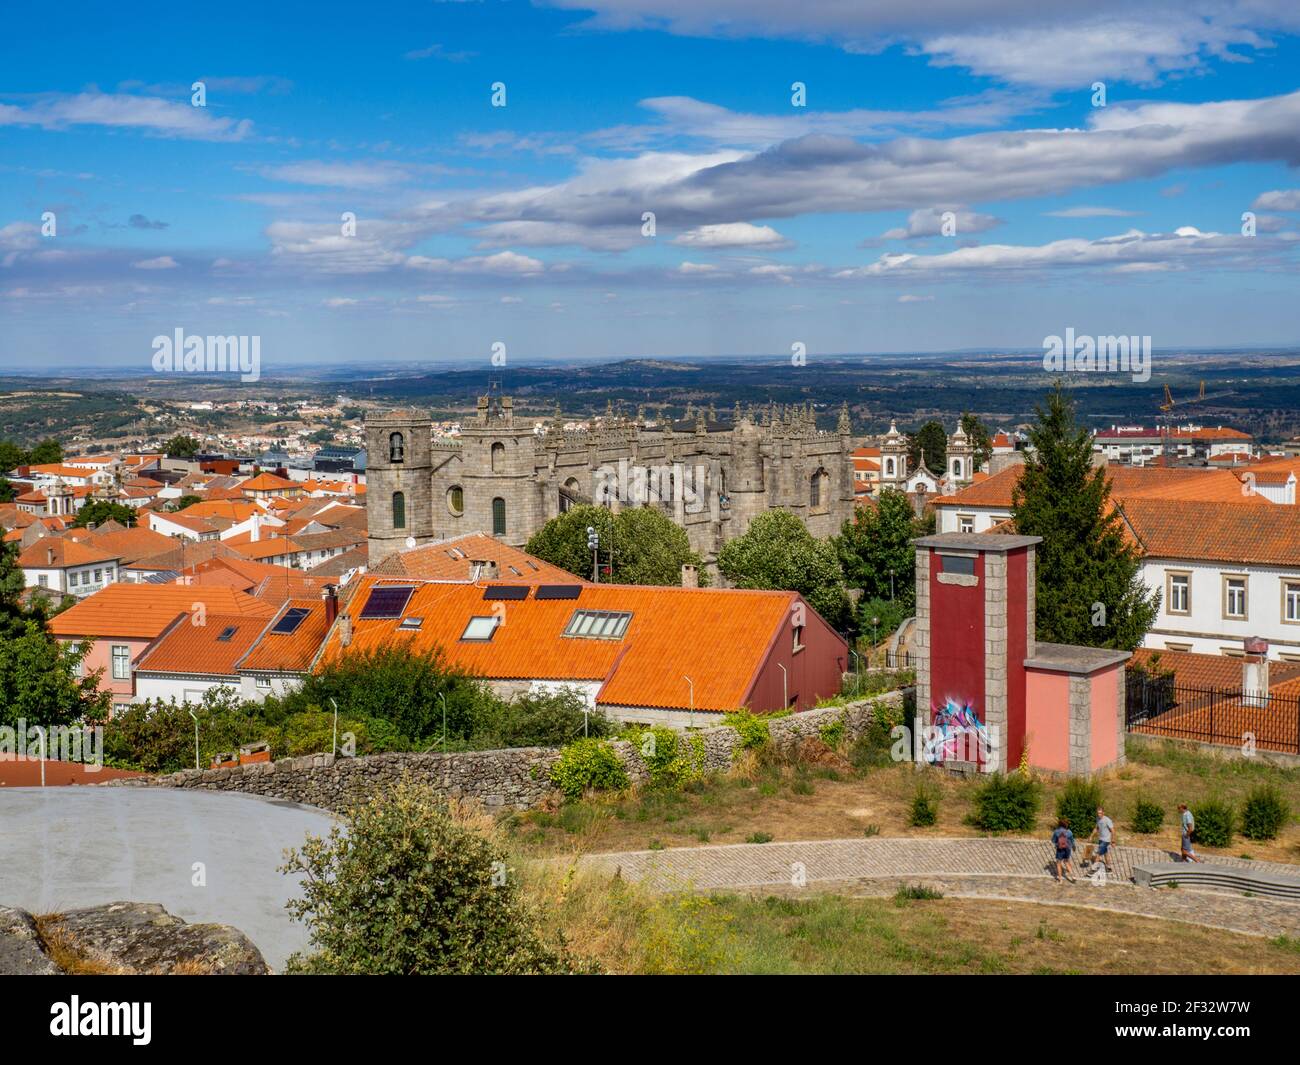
291 652
131 544
450 560
670 634
1193 670
199 649
268 482
58 469
185 521
1238 532
236 510
57 552
144 610
1127 482
266 547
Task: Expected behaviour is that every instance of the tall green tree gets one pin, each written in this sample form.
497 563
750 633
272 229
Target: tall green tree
931 443
647 546
39 679
778 551
11 456
99 511
182 447
978 435
876 544
46 452
1090 588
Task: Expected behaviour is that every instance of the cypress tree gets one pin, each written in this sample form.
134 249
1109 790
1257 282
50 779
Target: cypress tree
1090 589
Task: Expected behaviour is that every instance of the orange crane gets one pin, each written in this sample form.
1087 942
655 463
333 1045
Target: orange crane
1167 408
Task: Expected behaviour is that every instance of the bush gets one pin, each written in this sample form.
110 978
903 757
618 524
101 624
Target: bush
588 764
672 763
1007 803
1264 813
832 733
752 728
413 886
1078 804
1216 821
925 807
1148 816
549 719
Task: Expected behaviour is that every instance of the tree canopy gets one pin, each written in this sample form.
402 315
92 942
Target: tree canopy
978 435
931 443
778 551
98 511
876 542
1090 589
181 446
647 547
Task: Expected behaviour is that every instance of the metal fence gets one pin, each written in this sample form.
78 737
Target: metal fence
898 660
1156 705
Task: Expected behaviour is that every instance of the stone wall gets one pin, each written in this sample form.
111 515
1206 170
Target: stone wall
517 777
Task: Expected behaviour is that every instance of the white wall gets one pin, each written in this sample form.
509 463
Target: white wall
185 689
1205 628
948 514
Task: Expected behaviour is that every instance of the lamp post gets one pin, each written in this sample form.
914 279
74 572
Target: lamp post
41 732
443 696
196 737
692 684
593 544
335 749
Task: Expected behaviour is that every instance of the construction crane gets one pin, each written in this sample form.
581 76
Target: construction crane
1167 409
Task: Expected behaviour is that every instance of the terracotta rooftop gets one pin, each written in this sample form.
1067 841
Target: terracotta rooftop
451 560
144 610
58 552
289 652
210 649
1239 532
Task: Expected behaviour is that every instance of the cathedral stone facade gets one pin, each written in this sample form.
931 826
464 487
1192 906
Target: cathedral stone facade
507 476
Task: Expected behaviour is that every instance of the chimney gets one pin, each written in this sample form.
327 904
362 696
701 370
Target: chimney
1254 672
482 569
331 596
690 576
49 556
345 630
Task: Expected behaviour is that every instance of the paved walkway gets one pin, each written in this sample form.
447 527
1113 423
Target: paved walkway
973 868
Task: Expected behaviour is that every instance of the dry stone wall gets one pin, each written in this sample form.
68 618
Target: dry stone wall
517 778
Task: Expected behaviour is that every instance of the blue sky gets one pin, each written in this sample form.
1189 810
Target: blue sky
522 224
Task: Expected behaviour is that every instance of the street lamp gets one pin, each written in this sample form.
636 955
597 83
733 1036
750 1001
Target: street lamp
692 684
443 697
196 737
593 545
335 749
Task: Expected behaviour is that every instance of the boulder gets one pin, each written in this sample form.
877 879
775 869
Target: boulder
133 938
21 953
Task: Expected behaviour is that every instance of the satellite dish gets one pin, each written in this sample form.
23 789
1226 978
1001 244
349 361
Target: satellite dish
410 541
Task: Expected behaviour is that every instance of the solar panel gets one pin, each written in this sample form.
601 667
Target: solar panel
290 621
558 591
386 601
506 591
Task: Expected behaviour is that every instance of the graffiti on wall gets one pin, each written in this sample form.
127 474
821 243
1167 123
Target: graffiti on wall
957 734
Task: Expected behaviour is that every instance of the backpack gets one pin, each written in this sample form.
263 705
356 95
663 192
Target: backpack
1061 837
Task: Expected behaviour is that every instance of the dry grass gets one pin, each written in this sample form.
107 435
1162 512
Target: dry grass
67 956
792 805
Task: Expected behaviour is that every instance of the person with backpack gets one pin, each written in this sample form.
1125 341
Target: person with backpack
1063 841
1188 823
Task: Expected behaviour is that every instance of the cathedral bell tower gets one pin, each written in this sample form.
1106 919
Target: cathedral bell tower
399 472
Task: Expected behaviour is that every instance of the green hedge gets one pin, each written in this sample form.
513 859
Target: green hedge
588 764
1007 803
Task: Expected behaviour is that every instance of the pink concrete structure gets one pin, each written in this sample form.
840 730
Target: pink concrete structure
987 690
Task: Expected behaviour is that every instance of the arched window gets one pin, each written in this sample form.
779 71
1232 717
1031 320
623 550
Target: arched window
456 500
569 494
498 517
889 467
817 489
498 457
956 467
396 448
399 510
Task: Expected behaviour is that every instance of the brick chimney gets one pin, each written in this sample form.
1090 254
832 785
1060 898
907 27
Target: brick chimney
345 630
483 569
49 556
690 576
330 594
1254 672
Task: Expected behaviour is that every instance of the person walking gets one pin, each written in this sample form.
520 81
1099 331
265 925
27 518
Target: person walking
1188 823
1105 833
1063 841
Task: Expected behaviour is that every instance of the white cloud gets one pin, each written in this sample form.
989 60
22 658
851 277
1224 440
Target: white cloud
162 262
688 269
929 222
1091 212
1278 200
339 175
907 297
163 118
733 235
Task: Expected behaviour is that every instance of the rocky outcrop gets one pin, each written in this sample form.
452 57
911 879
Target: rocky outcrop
125 938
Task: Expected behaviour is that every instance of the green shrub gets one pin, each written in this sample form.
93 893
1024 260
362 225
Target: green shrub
546 719
832 733
925 806
1078 804
870 830
673 764
1264 813
1148 816
588 764
413 887
759 837
752 728
1216 821
1007 803
911 892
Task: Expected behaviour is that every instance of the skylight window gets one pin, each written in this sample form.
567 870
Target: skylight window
480 629
227 634
411 624
598 624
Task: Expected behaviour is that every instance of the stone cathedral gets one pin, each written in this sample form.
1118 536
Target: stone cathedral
508 476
